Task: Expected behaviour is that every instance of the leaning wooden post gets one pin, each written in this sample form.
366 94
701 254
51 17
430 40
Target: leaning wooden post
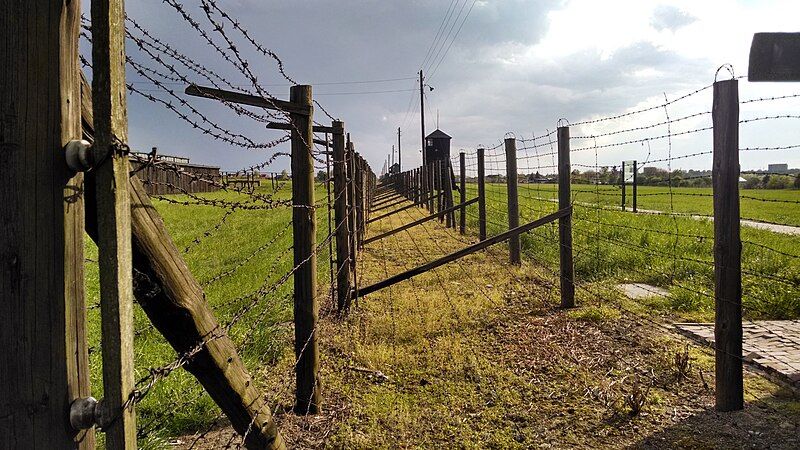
565 223
462 224
113 218
727 248
176 305
481 195
340 218
304 225
514 246
44 363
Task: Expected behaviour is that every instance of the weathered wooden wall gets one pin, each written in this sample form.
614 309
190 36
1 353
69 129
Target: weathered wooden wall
160 180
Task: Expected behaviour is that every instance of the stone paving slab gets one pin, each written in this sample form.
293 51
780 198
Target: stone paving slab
642 290
771 345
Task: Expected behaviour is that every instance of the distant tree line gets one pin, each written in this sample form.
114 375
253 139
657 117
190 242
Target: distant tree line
654 176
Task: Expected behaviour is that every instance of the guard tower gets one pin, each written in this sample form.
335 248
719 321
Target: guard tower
437 148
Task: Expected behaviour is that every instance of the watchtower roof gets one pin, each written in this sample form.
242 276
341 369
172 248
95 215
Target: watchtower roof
438 134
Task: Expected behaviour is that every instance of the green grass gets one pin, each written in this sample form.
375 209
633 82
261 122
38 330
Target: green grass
177 404
672 252
778 206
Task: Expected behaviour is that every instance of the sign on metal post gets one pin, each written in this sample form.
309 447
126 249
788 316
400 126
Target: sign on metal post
627 171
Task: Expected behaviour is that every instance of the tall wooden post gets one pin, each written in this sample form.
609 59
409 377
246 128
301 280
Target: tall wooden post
462 224
44 364
481 195
439 185
448 193
360 222
423 186
351 205
308 395
113 218
727 248
431 187
514 246
635 196
340 218
565 223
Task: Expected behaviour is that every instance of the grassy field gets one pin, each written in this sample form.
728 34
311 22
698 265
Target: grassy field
415 335
766 205
671 252
250 250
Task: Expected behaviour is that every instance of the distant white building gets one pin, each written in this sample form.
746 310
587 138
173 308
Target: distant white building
778 168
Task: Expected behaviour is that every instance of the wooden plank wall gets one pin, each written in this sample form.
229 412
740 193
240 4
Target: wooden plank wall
159 181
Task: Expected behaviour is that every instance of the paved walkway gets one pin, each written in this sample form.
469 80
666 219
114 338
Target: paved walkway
775 228
772 345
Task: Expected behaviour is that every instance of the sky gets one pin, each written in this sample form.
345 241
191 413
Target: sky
498 67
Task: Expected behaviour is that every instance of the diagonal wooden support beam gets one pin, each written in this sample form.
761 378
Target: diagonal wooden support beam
463 252
174 301
404 208
420 221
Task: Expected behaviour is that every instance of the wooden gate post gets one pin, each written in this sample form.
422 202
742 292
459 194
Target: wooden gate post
565 223
340 213
44 364
727 248
113 218
481 195
304 225
462 217
514 246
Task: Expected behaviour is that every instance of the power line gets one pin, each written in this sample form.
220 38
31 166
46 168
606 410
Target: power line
454 39
442 26
449 32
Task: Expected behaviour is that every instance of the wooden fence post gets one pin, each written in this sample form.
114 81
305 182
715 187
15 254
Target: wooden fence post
565 223
351 205
340 213
448 193
624 188
514 246
304 225
635 196
431 187
727 248
462 225
359 200
44 365
113 219
481 195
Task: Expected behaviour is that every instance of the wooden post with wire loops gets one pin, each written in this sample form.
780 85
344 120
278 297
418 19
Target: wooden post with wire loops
727 248
481 195
565 223
306 311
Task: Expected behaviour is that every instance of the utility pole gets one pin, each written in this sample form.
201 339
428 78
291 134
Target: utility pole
422 115
399 158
